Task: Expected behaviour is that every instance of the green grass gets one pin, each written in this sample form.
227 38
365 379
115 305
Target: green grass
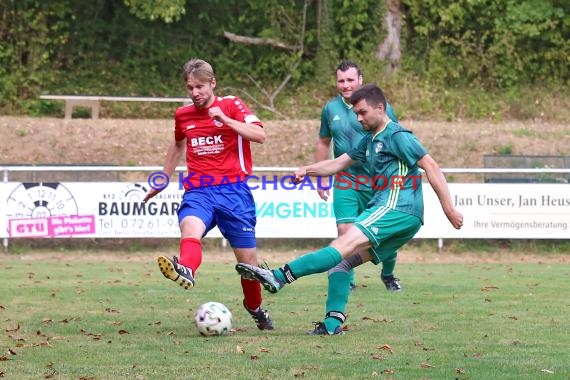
119 319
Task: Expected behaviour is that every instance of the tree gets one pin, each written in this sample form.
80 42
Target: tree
390 49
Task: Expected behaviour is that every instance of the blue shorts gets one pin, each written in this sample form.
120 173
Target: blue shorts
230 207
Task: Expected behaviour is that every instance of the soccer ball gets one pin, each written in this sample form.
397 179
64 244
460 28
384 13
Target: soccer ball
213 318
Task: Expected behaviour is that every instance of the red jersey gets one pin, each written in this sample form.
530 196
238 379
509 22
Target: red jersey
215 153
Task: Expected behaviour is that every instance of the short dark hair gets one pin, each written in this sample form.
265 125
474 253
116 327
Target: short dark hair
371 93
344 65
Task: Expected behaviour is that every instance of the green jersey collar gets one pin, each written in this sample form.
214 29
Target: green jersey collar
382 130
348 105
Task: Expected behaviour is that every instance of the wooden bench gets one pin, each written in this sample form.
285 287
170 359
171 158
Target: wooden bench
94 102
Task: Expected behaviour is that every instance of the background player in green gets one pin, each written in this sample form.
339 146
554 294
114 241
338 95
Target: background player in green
393 156
339 124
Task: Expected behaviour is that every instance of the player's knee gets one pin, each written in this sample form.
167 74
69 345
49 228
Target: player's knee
343 266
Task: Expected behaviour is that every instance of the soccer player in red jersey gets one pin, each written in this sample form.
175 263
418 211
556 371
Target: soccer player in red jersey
216 133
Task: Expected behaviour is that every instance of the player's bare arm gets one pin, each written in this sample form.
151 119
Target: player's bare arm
173 155
323 168
322 153
252 132
439 184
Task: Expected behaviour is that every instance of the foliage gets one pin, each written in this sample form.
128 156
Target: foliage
494 43
460 49
31 34
166 10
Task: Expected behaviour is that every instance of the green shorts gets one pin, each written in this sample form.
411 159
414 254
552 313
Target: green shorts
349 203
387 229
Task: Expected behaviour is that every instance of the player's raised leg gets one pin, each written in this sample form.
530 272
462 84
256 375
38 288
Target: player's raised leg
310 263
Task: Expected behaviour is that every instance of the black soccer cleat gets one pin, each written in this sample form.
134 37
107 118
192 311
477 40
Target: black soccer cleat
391 283
320 329
261 318
176 272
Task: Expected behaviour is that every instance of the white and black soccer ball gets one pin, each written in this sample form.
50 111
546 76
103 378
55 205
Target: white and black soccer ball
213 318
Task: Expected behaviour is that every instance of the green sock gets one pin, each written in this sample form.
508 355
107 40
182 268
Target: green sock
388 266
337 297
310 263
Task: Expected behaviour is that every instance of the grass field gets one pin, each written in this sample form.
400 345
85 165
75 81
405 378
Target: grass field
118 318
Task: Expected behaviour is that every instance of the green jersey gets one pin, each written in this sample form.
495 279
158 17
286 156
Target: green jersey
339 122
391 157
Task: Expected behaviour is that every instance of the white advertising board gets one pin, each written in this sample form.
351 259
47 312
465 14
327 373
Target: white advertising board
114 209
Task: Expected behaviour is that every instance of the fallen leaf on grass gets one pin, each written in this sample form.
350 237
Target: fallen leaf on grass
240 350
547 371
263 349
122 332
67 320
388 371
459 371
426 365
17 338
377 357
92 335
55 337
489 288
51 374
384 319
14 329
386 347
253 357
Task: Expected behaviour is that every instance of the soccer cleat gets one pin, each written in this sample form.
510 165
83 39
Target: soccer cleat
264 275
261 318
392 283
175 271
320 329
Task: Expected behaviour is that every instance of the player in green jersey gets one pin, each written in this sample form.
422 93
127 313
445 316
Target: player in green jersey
340 126
393 156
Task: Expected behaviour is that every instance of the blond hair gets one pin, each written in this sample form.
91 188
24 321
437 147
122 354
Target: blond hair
199 69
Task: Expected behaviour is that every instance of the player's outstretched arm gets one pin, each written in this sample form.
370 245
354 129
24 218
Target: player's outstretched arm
439 184
173 155
322 151
323 168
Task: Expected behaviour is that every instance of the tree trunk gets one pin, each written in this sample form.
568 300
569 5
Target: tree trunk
326 56
389 49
